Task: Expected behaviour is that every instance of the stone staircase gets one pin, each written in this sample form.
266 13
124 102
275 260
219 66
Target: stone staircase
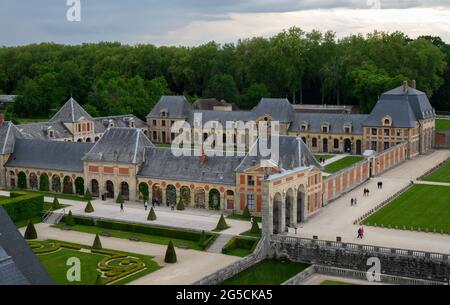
53 218
219 243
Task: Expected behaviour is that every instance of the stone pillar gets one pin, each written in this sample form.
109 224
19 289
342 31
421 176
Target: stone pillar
207 199
283 213
267 209
294 210
177 196
223 201
163 195
237 201
192 191
150 194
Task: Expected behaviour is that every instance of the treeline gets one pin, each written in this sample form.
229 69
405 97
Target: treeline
306 67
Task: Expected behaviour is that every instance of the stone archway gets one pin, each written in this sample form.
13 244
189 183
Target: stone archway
56 184
289 206
348 146
33 181
171 195
358 147
94 188
125 190
156 194
230 200
277 206
12 179
300 203
109 189
199 198
325 145
185 195
214 199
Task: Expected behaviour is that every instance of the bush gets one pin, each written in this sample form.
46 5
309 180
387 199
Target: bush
55 204
89 208
81 220
246 214
255 227
120 198
180 205
87 195
69 220
171 256
23 206
151 215
222 224
30 232
97 245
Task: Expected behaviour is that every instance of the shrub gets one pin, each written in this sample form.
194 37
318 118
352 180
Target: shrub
222 224
89 208
87 195
151 215
69 220
246 214
97 245
30 232
44 184
23 206
99 280
171 256
180 205
255 227
55 204
120 198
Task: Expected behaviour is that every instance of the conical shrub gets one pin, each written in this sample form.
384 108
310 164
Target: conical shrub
69 220
246 214
87 195
89 208
30 232
99 280
255 227
222 224
55 204
151 215
120 198
180 205
97 245
171 256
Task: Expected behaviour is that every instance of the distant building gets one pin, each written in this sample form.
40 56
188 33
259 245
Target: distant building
6 100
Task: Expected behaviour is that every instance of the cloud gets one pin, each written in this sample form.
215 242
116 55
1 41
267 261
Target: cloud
191 21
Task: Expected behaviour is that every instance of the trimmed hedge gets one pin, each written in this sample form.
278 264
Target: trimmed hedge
81 220
23 206
239 242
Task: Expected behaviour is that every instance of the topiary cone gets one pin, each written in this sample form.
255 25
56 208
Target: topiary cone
87 195
180 205
151 215
69 220
222 224
97 245
120 198
30 232
171 256
89 208
55 204
99 280
255 227
246 214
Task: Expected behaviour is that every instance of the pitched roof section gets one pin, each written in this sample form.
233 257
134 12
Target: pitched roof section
161 163
45 154
103 123
70 112
173 106
18 251
8 135
121 145
40 130
280 109
336 122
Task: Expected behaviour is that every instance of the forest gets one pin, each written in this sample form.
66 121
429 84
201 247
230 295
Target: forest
109 78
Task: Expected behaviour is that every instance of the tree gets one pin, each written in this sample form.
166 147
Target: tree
171 256
120 198
44 184
89 208
253 95
87 195
222 224
69 220
151 215
222 87
22 180
55 204
30 232
97 245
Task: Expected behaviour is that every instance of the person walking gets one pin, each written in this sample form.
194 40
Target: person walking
145 205
362 232
121 207
352 202
172 206
359 234
355 201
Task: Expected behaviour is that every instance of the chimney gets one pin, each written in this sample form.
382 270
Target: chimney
2 118
405 87
414 84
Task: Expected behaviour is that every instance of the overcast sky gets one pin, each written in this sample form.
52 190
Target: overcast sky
192 22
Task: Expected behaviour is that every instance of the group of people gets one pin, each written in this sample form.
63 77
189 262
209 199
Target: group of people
380 185
354 201
366 192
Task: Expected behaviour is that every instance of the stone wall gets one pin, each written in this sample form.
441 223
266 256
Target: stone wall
442 140
396 262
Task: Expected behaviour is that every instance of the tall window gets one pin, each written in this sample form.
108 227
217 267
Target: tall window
155 123
251 202
336 143
314 142
373 145
387 132
250 180
374 131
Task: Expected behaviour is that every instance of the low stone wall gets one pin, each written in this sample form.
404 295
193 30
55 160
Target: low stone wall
302 276
396 262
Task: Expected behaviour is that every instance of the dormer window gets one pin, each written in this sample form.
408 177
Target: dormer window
325 128
163 113
51 133
304 126
387 121
348 128
111 123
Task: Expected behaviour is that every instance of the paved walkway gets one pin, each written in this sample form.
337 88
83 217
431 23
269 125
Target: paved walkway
191 266
335 158
219 243
337 218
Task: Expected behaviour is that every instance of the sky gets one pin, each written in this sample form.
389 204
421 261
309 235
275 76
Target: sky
193 22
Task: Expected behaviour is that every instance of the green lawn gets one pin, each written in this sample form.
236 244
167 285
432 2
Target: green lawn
342 163
442 125
250 234
153 239
237 216
50 194
422 206
37 219
55 262
335 283
267 272
442 174
325 157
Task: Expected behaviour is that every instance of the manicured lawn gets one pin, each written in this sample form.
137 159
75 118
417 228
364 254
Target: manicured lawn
325 157
57 195
267 272
250 234
236 216
442 125
335 283
57 254
422 206
442 174
342 163
153 239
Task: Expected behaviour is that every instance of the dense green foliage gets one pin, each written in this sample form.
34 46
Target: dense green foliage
308 67
79 186
342 164
97 245
22 180
87 195
44 184
23 206
89 208
30 232
151 215
246 214
69 219
55 204
443 125
171 256
120 198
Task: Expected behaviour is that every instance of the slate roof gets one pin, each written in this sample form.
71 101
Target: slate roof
336 122
46 154
222 116
40 130
70 112
102 123
160 163
405 109
27 268
174 106
280 109
119 144
8 135
210 103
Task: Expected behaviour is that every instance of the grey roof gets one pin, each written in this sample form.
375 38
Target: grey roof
336 122
222 116
8 135
45 154
40 130
16 250
103 123
293 153
7 98
70 112
210 103
161 163
280 109
173 106
120 144
405 108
